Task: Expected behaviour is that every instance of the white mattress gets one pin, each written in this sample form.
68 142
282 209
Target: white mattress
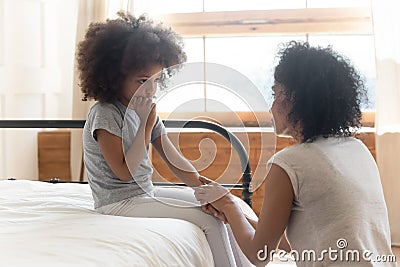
44 224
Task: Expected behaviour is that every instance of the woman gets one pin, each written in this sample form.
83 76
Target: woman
325 191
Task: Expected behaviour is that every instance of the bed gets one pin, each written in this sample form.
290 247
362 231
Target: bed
45 224
54 224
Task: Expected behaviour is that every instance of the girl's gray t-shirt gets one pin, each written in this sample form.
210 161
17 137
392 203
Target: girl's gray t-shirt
106 187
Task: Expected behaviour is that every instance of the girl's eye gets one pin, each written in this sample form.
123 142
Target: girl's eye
142 81
273 95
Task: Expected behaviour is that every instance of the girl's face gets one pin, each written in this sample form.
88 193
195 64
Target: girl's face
280 110
148 76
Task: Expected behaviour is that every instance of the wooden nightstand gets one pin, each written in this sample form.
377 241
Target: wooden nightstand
54 155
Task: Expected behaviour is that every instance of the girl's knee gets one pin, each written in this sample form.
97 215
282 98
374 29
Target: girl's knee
209 223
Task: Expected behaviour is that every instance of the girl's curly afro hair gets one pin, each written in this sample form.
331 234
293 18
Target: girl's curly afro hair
114 48
324 88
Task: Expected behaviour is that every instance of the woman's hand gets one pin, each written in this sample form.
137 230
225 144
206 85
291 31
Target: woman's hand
213 193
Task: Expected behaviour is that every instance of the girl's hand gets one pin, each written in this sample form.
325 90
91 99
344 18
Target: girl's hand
146 110
143 107
151 120
214 193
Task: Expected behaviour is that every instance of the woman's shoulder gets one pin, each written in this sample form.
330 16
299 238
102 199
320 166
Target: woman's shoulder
290 153
294 149
325 146
301 150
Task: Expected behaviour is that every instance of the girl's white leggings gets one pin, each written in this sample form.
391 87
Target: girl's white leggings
180 203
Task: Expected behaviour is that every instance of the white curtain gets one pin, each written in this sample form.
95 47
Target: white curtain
89 11
36 61
386 24
113 6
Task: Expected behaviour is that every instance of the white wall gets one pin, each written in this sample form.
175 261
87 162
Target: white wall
37 46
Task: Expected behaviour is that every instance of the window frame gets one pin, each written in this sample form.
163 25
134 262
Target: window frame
355 20
349 20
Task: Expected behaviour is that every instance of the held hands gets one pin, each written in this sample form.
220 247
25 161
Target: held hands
213 197
210 191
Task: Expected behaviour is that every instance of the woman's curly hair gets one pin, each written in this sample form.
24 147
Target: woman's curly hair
114 48
325 90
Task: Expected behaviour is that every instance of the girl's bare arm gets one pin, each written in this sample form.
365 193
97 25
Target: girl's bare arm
179 166
111 148
123 166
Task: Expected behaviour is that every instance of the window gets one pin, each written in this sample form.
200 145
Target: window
244 36
252 56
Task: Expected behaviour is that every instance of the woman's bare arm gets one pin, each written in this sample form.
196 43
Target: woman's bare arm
273 218
283 243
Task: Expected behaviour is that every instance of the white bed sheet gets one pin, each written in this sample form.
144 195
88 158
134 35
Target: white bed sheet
44 224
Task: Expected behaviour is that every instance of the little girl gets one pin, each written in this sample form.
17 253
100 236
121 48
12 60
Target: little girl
114 60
